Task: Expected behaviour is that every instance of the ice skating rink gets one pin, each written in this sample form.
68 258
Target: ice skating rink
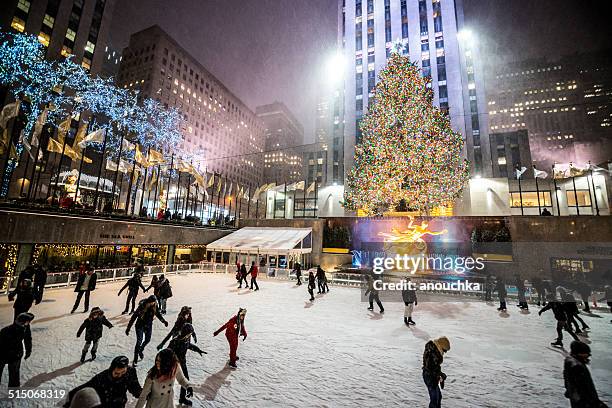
329 353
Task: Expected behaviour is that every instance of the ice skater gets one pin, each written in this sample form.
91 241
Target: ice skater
242 277
298 273
13 339
93 331
163 293
540 289
585 290
320 279
180 345
500 288
133 285
184 317
311 285
253 271
373 295
143 316
234 328
40 280
579 387
560 314
520 289
571 309
84 286
410 301
158 389
434 378
23 296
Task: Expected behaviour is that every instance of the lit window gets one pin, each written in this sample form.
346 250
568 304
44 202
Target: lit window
18 24
66 51
70 34
48 21
501 161
530 199
86 63
44 39
90 47
23 5
584 198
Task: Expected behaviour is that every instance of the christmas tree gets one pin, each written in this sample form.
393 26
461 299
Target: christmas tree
408 152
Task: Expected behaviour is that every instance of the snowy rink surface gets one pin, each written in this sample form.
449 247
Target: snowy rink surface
329 353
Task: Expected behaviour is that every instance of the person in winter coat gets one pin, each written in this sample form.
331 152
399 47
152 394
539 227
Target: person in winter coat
242 277
540 289
23 296
180 345
585 291
410 301
298 274
311 285
434 378
85 285
253 271
373 295
93 331
183 318
86 398
143 318
571 309
520 288
320 279
579 387
40 280
13 339
133 285
560 314
112 384
154 284
158 389
164 293
234 328
500 288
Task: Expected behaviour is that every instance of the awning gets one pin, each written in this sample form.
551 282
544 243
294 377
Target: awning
265 240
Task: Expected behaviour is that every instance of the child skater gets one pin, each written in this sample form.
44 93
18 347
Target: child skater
234 328
93 331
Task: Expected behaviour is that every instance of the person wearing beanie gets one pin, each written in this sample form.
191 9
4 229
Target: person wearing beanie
180 345
86 398
133 285
93 331
432 372
579 387
234 328
560 314
13 339
24 297
112 384
410 301
183 317
143 316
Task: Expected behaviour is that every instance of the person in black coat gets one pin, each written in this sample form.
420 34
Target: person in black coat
520 289
84 286
13 339
40 280
93 331
133 285
410 301
24 297
571 308
559 311
143 317
433 377
311 285
164 293
500 288
242 277
585 291
183 318
373 295
579 387
320 279
180 345
298 274
540 289
113 384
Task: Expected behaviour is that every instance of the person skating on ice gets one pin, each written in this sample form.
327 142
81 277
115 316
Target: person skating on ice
434 378
540 289
184 317
158 389
320 279
143 316
93 331
571 308
243 276
84 286
520 289
40 280
298 273
13 339
311 285
133 285
23 295
560 314
180 344
373 296
500 288
234 328
410 301
253 271
112 384
154 284
579 387
164 292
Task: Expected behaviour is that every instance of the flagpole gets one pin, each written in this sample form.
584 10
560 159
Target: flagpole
240 207
249 202
594 191
537 190
59 167
556 193
518 176
116 171
169 180
84 150
257 206
34 168
306 185
130 182
156 186
149 194
575 192
285 202
144 185
212 195
178 189
27 164
100 172
218 197
186 203
316 203
7 156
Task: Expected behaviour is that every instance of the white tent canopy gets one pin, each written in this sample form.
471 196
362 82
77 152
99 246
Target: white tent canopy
265 240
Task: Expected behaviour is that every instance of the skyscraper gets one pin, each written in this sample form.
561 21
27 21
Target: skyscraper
431 33
64 27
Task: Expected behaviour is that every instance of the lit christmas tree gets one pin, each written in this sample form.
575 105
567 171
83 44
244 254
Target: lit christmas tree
408 152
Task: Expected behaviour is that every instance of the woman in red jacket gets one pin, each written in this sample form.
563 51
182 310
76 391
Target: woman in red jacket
234 328
253 272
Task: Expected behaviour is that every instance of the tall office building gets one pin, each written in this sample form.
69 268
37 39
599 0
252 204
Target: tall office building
329 135
220 129
431 33
283 136
64 27
565 104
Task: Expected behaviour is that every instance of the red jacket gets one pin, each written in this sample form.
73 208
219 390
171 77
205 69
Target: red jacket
254 271
231 329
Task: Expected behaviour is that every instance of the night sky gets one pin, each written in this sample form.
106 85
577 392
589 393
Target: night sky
266 50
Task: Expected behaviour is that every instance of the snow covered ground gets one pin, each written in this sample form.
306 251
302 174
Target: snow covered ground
330 353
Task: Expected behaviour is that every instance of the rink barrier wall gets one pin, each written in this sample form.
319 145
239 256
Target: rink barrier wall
67 279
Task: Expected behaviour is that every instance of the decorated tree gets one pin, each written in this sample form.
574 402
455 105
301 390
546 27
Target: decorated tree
408 153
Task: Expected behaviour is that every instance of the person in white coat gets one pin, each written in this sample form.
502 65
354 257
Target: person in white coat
158 390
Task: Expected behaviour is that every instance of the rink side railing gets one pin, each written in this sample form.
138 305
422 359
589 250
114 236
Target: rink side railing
67 279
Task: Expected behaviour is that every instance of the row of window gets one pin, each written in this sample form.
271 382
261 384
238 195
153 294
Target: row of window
530 198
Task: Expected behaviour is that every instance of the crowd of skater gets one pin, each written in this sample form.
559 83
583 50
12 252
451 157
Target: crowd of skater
111 386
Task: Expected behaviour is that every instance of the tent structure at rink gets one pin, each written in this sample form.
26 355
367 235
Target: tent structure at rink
267 246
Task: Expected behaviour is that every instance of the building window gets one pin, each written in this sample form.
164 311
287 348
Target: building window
70 34
358 8
48 21
23 5
18 24
370 6
44 39
89 47
67 51
584 198
530 199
